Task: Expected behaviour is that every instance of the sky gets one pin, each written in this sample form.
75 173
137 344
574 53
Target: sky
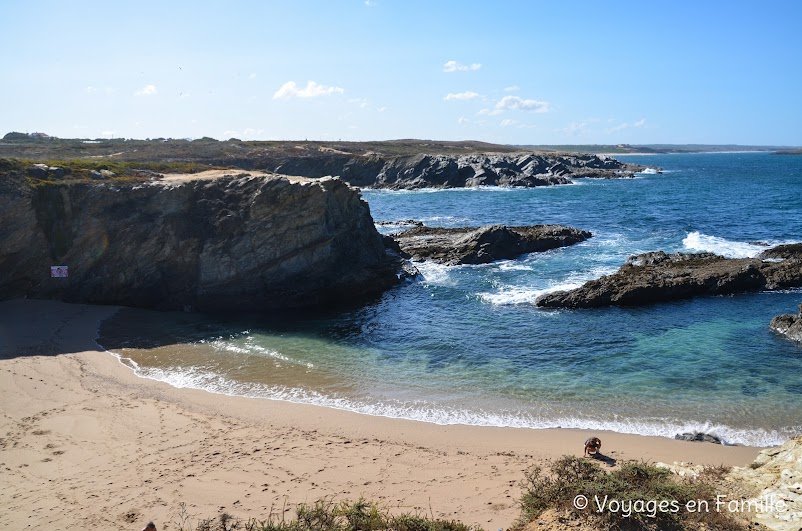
528 72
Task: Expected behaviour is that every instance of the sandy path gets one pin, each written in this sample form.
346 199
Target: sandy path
85 443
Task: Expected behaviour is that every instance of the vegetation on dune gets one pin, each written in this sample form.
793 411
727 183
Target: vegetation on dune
323 515
633 496
85 170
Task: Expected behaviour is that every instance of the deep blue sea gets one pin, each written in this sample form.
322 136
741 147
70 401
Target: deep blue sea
466 345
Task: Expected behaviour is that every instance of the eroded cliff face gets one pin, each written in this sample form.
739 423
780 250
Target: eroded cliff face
235 242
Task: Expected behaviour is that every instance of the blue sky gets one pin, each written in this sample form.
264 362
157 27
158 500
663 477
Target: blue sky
508 72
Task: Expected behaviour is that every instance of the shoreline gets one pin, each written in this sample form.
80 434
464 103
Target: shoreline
89 442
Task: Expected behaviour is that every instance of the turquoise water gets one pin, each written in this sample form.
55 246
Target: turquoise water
467 345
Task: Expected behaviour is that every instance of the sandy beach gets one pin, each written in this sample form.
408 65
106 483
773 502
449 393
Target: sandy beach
84 443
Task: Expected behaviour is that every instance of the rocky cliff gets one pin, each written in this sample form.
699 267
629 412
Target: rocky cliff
235 242
453 171
775 481
389 164
660 277
767 492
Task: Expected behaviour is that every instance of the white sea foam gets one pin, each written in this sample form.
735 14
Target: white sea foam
508 295
425 411
513 265
447 190
696 241
437 274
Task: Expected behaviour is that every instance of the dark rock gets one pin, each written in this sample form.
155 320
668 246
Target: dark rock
659 277
789 325
56 173
404 270
783 252
481 245
697 437
96 175
37 171
400 223
451 171
233 243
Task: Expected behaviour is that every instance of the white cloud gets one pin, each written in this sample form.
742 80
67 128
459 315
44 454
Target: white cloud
362 102
90 90
370 3
461 96
575 128
512 88
462 120
381 109
311 90
147 90
252 76
625 125
507 122
248 133
453 66
515 103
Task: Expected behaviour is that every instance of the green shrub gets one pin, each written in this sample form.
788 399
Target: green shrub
570 476
326 515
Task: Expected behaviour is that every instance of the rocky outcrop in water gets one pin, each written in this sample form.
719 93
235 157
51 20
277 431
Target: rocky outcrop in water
789 325
233 243
660 277
450 171
481 245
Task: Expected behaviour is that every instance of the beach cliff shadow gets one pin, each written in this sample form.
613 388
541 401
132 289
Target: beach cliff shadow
606 459
148 329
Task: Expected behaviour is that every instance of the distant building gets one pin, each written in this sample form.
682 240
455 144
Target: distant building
40 136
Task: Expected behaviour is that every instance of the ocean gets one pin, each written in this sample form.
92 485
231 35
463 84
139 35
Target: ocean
466 345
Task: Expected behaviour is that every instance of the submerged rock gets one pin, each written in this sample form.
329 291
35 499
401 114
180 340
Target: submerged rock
697 437
659 277
481 245
789 325
232 243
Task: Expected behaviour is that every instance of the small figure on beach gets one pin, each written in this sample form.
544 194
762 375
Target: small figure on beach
150 527
592 446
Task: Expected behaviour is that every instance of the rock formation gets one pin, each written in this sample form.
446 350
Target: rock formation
789 325
449 171
238 242
660 277
774 477
472 245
